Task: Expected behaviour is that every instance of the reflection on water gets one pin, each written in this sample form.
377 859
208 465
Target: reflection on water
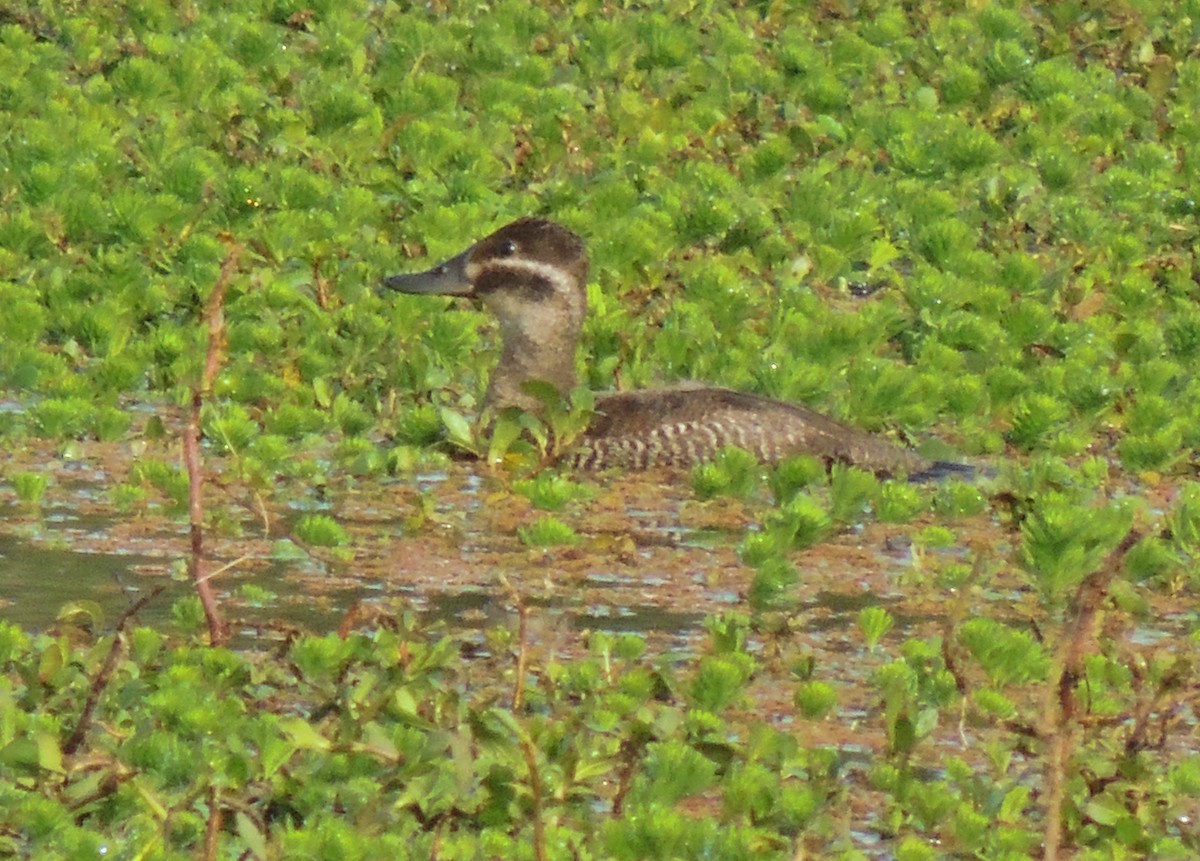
441 544
38 576
37 580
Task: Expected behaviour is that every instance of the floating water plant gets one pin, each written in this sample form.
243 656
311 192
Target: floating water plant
774 584
958 499
1007 656
976 224
59 418
322 531
547 532
850 493
898 502
733 472
815 700
168 480
551 491
874 622
794 474
29 486
800 522
1062 542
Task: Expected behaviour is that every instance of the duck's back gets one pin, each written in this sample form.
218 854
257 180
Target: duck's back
684 427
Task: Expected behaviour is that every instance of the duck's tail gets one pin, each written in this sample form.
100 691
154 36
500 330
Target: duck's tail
940 470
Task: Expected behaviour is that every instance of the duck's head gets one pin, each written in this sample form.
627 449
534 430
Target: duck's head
529 261
532 275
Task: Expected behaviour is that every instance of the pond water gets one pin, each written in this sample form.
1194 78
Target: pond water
463 565
651 560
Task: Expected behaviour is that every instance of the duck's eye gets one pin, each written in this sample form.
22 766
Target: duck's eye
508 248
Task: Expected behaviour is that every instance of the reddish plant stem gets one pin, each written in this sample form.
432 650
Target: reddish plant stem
536 793
100 682
197 567
212 834
518 698
1061 712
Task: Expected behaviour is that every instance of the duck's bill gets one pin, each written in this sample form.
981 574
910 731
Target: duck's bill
448 279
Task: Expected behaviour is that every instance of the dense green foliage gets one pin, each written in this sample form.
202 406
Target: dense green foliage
1011 184
976 224
385 745
388 744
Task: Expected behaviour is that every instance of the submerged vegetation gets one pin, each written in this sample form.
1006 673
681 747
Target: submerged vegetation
971 229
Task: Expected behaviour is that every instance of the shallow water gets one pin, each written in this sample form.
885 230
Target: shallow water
460 568
651 560
37 578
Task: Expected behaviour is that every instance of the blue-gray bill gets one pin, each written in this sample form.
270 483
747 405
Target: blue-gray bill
448 279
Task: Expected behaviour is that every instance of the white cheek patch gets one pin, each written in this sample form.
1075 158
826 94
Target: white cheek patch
560 280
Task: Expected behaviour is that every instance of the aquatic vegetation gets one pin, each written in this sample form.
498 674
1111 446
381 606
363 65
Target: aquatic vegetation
733 472
973 231
321 530
29 487
874 622
547 532
551 491
900 502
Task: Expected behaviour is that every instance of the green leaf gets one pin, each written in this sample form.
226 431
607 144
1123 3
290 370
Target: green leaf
874 622
303 734
506 430
321 530
458 429
250 834
815 699
1106 810
1015 805
720 681
675 771
547 532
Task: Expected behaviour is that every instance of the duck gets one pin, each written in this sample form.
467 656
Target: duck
532 276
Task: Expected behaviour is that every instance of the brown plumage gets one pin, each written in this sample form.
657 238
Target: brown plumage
532 274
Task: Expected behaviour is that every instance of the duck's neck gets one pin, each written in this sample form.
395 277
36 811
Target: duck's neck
538 344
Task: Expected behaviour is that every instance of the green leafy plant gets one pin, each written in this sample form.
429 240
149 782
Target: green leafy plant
171 481
994 249
30 486
547 532
815 699
899 502
794 474
850 493
321 530
551 491
733 472
958 499
1063 541
874 622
